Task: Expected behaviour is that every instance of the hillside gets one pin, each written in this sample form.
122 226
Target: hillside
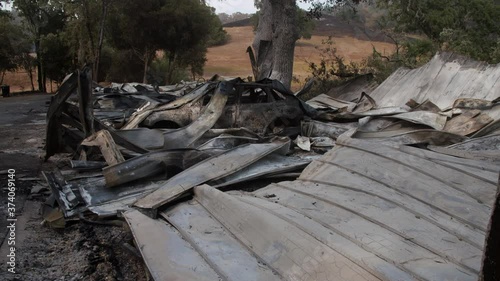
335 26
232 60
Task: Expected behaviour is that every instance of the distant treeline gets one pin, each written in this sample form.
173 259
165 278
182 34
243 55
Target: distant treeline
155 41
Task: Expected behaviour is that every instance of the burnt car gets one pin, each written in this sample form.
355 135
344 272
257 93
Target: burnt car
261 107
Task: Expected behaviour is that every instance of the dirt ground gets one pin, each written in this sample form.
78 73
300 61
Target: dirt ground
80 251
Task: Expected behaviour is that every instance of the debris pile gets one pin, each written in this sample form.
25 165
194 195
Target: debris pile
401 186
128 140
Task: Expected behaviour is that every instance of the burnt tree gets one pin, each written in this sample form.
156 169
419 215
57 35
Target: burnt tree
274 41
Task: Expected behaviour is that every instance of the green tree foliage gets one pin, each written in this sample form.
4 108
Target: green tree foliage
469 27
125 65
218 36
418 29
113 34
193 60
305 24
133 25
106 62
159 69
6 47
26 61
409 53
57 57
187 29
82 29
85 31
15 46
176 27
42 17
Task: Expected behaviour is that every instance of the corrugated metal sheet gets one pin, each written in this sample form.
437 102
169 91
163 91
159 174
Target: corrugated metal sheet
364 211
444 79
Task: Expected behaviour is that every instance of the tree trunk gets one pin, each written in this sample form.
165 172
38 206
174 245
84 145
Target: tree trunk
41 85
81 52
146 66
44 76
88 25
30 74
285 34
101 39
274 41
171 67
262 43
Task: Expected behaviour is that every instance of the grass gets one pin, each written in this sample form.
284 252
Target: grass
232 60
19 81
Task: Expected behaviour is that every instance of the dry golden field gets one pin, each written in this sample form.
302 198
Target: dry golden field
232 60
20 82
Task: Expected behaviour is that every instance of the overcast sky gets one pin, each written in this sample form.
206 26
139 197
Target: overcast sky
233 6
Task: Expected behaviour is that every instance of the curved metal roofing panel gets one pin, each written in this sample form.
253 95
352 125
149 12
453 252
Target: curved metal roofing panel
363 211
444 79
